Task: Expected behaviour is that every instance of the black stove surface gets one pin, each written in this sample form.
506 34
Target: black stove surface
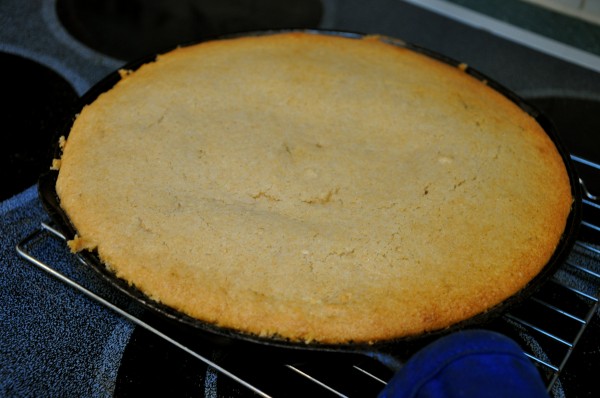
130 29
53 51
35 101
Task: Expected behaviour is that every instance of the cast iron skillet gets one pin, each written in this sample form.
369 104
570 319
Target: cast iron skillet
219 334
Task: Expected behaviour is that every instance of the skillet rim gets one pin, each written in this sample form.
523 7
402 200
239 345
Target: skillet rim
51 203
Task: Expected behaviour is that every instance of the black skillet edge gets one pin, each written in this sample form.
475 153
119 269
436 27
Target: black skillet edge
214 333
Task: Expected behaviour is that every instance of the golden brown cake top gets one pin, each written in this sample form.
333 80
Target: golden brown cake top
314 187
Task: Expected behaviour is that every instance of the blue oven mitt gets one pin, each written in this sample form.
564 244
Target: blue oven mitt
472 363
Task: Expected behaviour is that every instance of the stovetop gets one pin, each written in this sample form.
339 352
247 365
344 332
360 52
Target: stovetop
53 51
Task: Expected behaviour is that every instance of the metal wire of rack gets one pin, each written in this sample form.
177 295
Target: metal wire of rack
556 318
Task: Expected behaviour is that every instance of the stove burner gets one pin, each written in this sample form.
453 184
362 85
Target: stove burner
152 367
130 29
577 122
36 100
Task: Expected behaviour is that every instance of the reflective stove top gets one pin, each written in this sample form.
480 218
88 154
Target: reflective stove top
52 51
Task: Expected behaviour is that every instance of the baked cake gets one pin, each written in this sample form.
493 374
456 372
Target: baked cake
314 187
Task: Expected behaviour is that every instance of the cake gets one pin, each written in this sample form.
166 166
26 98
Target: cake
314 187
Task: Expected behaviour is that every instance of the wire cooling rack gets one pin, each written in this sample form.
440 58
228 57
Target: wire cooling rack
548 325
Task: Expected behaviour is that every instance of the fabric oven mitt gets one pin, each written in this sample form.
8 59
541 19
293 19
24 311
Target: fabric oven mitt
473 363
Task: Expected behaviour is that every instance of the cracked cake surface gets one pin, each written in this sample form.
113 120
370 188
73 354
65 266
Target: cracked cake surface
314 187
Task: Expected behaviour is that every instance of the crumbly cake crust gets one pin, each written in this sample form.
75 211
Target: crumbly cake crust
314 187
